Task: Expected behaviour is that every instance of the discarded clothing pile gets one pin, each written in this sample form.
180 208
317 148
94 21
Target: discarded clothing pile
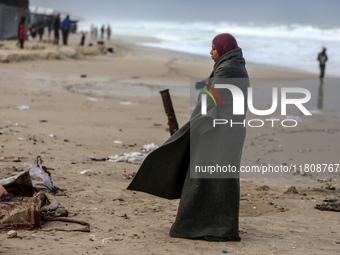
22 208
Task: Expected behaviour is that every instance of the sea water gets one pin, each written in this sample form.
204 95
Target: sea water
289 46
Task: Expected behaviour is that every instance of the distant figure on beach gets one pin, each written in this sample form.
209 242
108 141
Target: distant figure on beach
82 40
92 31
209 206
65 26
56 28
108 31
102 32
49 23
33 30
41 30
22 32
322 58
73 28
95 32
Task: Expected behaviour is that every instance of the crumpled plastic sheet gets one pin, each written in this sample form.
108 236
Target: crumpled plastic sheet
132 157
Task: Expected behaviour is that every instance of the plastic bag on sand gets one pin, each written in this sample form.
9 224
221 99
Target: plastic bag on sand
40 179
132 157
150 147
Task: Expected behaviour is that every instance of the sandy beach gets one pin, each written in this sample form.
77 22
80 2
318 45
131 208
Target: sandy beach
83 104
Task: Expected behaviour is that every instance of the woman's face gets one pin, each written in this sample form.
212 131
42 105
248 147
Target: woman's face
214 54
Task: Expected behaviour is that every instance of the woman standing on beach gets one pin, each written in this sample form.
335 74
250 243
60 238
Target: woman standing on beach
209 205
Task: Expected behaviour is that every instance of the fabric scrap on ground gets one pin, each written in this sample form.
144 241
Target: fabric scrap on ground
132 157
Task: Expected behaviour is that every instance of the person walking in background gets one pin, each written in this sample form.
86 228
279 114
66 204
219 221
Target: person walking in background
49 23
56 28
92 31
102 32
33 30
65 26
95 32
322 58
82 40
41 30
108 31
22 32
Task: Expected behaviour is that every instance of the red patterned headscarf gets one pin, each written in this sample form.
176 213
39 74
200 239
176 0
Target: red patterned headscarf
224 42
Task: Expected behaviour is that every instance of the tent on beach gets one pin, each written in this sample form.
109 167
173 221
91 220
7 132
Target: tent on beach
11 12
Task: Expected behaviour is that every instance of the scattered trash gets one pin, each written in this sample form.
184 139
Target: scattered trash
12 234
39 176
40 179
126 103
93 99
118 142
56 239
61 212
149 147
224 251
131 157
52 135
105 239
21 138
85 171
23 107
128 176
60 193
98 159
43 121
329 205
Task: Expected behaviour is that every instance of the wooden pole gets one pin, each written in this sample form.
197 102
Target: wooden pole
169 111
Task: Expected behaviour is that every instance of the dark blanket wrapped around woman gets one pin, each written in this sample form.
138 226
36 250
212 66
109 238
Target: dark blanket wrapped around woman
209 205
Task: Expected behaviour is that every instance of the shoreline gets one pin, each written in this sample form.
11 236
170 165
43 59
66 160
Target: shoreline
132 44
137 47
262 79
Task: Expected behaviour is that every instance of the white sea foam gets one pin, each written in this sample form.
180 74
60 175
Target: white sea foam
291 46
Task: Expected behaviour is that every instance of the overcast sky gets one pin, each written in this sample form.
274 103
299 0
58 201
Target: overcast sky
317 12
